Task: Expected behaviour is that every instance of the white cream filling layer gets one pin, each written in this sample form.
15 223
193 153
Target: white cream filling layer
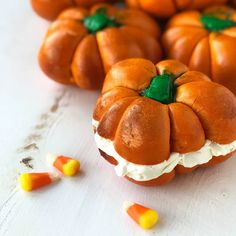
95 123
149 172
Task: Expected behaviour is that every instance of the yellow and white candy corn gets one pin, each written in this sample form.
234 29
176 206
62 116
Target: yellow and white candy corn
143 216
33 181
68 166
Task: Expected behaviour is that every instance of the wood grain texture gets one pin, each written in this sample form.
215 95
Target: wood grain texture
39 116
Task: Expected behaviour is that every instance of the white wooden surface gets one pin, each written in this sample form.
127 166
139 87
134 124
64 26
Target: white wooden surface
35 110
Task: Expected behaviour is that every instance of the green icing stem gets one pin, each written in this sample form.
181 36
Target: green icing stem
99 20
215 24
161 89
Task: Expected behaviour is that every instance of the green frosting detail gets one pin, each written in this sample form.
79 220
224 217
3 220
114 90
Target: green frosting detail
99 21
215 24
161 89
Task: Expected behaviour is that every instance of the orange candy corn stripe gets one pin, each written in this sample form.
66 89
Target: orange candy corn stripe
33 181
143 216
66 165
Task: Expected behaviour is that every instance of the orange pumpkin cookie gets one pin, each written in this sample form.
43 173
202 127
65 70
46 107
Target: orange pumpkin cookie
205 42
167 8
81 45
152 121
50 9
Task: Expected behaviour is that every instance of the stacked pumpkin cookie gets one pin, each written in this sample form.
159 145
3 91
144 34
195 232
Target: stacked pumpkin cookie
154 118
155 121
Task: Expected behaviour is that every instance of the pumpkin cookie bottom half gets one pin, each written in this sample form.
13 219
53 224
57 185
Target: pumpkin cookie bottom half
175 165
164 179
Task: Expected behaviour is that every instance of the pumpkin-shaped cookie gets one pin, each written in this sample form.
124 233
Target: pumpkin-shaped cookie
152 121
205 42
50 9
81 46
167 8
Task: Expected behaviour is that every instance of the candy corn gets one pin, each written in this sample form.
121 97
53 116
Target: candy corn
66 165
33 181
143 216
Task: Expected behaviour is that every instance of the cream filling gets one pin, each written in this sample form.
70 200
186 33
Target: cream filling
149 172
95 123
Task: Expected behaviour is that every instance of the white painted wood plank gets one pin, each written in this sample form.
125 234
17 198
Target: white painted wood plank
35 110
